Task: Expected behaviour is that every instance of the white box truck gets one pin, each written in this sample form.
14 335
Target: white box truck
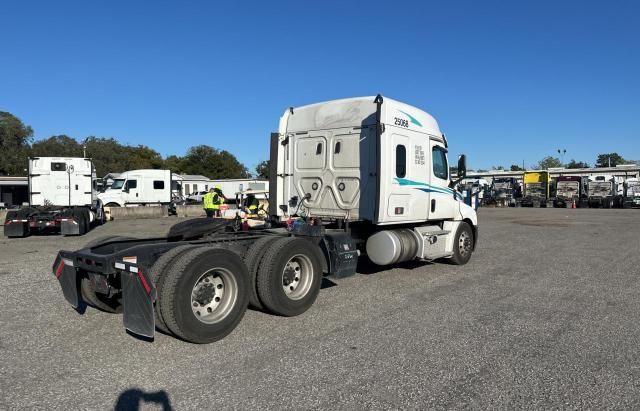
139 187
62 197
353 177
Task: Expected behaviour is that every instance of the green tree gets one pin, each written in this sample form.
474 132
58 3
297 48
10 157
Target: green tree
15 138
609 159
213 163
174 163
577 164
262 169
515 167
56 146
548 162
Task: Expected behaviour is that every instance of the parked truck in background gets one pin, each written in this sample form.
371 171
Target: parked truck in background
536 186
349 178
603 192
571 190
139 187
62 198
504 191
632 193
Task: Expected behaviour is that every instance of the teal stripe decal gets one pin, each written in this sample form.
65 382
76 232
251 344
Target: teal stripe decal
411 118
428 187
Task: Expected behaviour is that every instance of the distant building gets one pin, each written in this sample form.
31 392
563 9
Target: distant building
13 191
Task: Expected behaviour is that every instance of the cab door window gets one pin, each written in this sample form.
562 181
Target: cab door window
440 166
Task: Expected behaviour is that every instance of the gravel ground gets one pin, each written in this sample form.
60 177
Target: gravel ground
545 315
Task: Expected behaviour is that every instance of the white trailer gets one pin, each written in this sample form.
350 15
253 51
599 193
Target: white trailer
62 197
603 192
632 193
139 187
354 177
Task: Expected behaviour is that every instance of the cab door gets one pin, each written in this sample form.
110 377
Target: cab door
131 192
442 204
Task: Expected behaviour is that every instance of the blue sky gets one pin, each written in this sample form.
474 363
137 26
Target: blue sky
508 81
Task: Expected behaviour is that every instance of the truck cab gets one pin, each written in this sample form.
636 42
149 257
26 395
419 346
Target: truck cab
570 190
536 189
603 192
372 162
139 187
632 193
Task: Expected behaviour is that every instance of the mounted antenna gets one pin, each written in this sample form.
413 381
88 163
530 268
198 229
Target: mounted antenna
291 110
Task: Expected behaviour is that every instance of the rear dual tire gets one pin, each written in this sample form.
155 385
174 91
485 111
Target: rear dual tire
289 276
204 294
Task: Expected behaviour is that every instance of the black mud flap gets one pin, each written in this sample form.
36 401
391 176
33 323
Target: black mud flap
341 253
138 296
66 274
69 227
16 229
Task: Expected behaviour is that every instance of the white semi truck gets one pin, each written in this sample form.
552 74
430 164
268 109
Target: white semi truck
350 178
62 197
632 193
139 187
603 192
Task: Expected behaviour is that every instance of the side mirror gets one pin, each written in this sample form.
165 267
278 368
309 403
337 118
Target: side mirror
125 189
462 166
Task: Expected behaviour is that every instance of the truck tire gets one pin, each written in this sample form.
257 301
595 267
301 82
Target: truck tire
289 276
89 295
205 294
462 244
252 259
157 276
88 292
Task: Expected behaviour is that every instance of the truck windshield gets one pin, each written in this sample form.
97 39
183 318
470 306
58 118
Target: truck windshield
117 184
599 188
536 189
567 188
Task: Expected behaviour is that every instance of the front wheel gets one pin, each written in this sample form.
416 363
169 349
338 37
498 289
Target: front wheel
462 244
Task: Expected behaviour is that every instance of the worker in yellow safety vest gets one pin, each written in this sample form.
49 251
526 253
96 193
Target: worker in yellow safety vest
252 204
211 202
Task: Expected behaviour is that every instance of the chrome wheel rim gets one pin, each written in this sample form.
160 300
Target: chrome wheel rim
464 243
213 295
297 276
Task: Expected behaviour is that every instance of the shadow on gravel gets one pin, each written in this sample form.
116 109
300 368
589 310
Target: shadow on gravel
135 399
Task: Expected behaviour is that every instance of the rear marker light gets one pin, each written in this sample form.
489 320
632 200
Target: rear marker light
60 269
143 280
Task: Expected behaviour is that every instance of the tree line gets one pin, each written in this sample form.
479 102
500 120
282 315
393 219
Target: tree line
108 155
17 144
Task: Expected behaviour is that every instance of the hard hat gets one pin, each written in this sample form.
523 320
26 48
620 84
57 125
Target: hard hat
218 187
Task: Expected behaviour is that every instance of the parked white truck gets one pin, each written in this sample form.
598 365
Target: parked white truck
62 197
139 187
349 178
603 192
632 193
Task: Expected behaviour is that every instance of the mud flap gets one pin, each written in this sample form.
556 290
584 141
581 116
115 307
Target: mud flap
66 274
16 229
69 227
138 296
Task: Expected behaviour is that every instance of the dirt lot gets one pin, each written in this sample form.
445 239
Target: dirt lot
545 315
